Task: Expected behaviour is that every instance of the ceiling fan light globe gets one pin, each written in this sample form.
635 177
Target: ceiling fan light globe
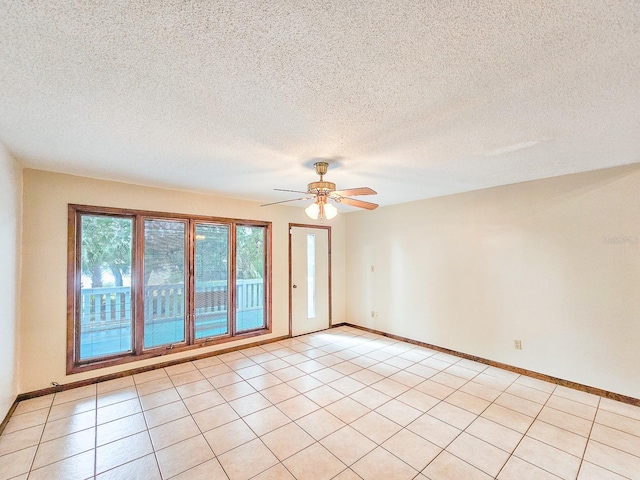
330 211
313 211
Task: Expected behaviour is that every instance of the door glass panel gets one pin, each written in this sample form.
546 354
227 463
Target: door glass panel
164 282
250 254
105 291
211 270
311 275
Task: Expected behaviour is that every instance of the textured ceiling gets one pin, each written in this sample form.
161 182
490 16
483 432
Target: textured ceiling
415 99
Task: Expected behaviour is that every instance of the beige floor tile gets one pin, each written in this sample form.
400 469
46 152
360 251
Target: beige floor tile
154 386
535 383
236 390
399 362
206 362
570 406
266 420
247 460
382 465
619 422
327 375
197 403
314 462
166 413
472 365
613 459
508 418
251 371
589 471
407 378
274 365
449 467
265 381
229 436
180 368
32 404
435 389
517 469
78 467
328 360
449 380
348 367
240 363
195 388
320 423
209 470
370 397
412 449
468 402
144 468
460 371
122 451
495 434
491 381
287 440
214 417
295 358
620 408
116 396
519 404
453 415
347 409
149 376
577 395
348 445
418 400
75 394
548 458
67 425
305 383
297 407
347 385
481 391
118 410
566 421
215 370
390 387
434 430
277 472
478 453
616 438
173 432
399 412
123 427
376 427
183 456
422 370
63 447
249 404
558 437
289 373
70 408
225 379
12 442
528 393
279 393
16 463
366 377
26 420
383 369
324 395
159 398
230 356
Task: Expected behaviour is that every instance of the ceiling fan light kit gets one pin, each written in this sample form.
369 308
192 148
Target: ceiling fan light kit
322 191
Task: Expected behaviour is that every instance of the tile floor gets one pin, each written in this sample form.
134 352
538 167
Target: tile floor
341 404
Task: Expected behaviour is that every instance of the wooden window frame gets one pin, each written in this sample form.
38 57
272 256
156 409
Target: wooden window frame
74 278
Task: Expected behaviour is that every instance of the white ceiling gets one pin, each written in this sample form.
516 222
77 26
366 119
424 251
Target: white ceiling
415 99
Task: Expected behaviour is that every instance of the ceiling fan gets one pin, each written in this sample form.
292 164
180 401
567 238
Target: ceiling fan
322 191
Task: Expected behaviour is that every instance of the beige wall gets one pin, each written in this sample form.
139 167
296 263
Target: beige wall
46 196
554 263
10 229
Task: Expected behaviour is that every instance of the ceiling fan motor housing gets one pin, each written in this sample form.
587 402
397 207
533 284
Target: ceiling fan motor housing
321 187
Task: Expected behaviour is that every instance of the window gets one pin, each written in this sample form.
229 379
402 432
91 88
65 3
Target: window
142 284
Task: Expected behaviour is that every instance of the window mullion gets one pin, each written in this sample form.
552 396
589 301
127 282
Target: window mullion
232 279
138 287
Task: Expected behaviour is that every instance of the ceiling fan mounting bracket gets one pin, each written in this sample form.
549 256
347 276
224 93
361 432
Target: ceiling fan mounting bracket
321 168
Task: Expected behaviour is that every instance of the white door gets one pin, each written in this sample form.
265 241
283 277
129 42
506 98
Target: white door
309 280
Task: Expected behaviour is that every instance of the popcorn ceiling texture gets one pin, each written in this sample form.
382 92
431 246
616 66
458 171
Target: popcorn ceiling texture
415 99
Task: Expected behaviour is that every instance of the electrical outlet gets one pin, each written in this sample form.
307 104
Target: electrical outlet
517 344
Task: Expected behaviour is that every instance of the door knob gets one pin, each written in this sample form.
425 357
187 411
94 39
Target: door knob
295 286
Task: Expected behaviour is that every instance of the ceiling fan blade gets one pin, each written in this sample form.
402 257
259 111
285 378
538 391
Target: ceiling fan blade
285 201
359 203
354 192
293 191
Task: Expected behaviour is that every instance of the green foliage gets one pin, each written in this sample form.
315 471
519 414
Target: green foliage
106 244
250 252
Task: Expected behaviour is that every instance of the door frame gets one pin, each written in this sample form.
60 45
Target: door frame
303 225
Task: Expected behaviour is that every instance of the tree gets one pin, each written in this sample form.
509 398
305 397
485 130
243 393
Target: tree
106 244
